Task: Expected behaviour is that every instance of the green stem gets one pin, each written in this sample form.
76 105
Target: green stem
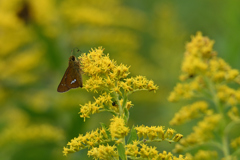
121 112
214 96
124 143
108 110
136 90
125 116
116 97
228 129
230 126
225 145
124 106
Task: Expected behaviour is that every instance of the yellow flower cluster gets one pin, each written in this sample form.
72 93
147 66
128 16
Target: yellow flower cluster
104 152
234 114
197 52
90 108
186 90
228 95
104 102
202 132
206 76
235 143
157 133
199 65
118 128
138 83
91 139
111 79
106 74
202 154
103 72
189 112
148 152
132 151
220 71
200 59
116 133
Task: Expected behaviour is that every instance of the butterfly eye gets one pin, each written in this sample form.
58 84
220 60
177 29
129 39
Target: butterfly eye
73 58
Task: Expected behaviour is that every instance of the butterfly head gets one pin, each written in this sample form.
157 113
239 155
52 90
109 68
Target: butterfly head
72 58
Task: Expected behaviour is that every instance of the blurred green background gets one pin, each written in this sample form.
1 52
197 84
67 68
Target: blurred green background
36 39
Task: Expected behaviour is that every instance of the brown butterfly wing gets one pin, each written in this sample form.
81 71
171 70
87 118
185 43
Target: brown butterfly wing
74 80
71 79
62 87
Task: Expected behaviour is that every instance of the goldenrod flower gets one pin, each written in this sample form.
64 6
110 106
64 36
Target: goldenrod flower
143 151
201 63
177 137
202 133
228 95
111 81
205 77
86 110
132 149
105 73
157 133
204 130
118 128
169 133
90 139
148 152
235 143
189 112
206 155
103 152
234 114
185 90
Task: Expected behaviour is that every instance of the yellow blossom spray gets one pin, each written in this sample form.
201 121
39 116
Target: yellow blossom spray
206 80
113 85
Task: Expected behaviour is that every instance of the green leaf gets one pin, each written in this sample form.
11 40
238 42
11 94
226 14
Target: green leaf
103 125
106 129
133 136
126 113
121 151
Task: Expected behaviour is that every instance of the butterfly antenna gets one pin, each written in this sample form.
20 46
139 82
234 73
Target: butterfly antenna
75 49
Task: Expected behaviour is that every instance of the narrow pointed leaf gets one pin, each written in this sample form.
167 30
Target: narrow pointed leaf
133 136
121 151
106 129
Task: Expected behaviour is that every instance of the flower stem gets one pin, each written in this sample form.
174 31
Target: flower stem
225 145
